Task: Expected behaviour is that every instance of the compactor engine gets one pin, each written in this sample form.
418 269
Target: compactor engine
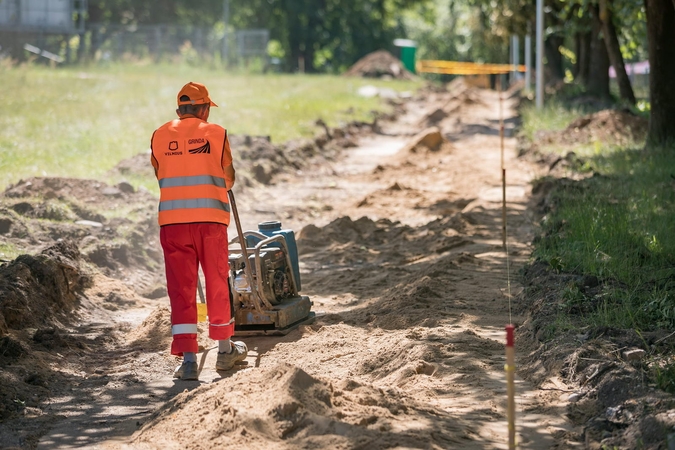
265 282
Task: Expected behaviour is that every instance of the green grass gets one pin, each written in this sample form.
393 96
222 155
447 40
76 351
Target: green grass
8 252
555 117
618 226
81 121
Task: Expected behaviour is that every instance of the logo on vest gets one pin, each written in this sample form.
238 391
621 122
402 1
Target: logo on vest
206 148
173 145
196 141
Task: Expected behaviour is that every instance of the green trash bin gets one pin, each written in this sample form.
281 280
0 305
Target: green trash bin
408 48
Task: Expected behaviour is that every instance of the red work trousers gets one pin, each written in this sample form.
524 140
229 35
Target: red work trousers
185 247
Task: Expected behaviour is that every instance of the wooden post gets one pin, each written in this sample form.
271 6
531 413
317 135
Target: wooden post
501 138
510 369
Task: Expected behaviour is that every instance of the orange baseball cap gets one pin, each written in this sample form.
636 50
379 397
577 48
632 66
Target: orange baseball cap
197 93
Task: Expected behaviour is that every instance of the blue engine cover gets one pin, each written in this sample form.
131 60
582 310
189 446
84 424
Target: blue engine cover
273 228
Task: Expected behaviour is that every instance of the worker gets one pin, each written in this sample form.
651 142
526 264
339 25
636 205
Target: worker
193 165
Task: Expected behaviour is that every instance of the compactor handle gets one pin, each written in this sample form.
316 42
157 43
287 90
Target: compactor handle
244 252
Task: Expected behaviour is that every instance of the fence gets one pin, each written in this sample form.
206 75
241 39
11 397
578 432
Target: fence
157 42
160 42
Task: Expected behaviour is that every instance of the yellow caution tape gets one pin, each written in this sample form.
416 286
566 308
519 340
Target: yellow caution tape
465 68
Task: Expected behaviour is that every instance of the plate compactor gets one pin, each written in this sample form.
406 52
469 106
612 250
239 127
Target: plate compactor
265 280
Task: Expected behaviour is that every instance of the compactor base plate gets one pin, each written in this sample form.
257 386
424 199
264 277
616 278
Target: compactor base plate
278 321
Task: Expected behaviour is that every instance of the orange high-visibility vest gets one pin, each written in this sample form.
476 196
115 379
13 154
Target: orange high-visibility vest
189 155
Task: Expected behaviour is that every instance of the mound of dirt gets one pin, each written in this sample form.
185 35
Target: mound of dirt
286 408
154 334
41 290
461 95
428 140
406 296
74 232
457 86
609 126
380 64
39 297
114 227
345 230
391 238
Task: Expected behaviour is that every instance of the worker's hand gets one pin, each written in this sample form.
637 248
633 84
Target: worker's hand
229 176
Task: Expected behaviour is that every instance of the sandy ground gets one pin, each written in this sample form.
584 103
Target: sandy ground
401 253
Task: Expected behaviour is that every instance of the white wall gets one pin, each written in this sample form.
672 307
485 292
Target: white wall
38 13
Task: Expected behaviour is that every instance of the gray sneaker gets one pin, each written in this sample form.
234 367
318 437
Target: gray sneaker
187 371
226 361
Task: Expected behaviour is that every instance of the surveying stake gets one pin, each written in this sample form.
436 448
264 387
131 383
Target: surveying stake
510 368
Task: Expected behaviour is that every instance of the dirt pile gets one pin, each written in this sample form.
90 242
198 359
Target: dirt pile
114 227
413 291
429 140
380 64
89 249
41 290
39 297
392 239
609 126
154 333
284 407
456 95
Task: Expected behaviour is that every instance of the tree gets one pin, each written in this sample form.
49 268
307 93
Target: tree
582 40
326 35
661 36
614 51
598 73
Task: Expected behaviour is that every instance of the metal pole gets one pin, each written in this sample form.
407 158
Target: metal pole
540 55
516 56
511 58
226 22
501 140
528 63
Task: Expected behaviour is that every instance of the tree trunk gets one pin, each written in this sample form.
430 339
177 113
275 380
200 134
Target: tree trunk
661 35
598 76
584 57
554 59
614 52
295 31
311 37
577 51
583 52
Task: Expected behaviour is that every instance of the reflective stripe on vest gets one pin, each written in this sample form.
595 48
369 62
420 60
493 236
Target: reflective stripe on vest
195 180
193 203
184 328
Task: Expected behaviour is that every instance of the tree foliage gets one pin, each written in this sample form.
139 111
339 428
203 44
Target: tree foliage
326 35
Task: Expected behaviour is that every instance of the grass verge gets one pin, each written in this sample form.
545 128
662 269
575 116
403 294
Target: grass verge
81 121
617 226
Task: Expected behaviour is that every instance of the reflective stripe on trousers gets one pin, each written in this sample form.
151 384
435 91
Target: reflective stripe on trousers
184 328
